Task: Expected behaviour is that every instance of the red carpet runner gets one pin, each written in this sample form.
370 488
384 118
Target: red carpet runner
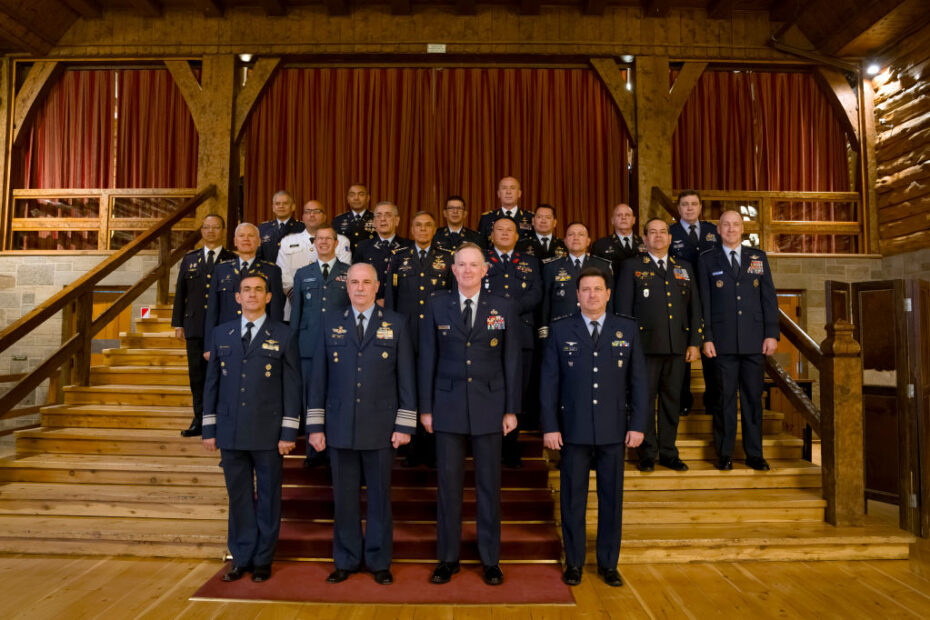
305 582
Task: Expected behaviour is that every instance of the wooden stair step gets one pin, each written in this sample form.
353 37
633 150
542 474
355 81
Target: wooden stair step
161 311
700 447
116 416
30 534
101 469
145 357
703 423
154 325
713 542
136 375
140 442
112 500
155 340
170 395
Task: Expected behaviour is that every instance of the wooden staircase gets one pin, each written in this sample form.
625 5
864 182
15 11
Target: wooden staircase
709 515
109 474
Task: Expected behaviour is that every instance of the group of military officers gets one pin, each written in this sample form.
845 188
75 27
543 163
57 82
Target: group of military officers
458 337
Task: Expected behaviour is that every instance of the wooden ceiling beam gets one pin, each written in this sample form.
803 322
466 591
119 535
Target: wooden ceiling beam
594 7
656 8
857 21
529 7
337 7
88 9
148 8
400 7
274 8
466 7
720 9
39 79
785 10
24 37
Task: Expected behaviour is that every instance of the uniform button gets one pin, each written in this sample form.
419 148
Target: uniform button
421 316
737 284
669 304
670 316
358 400
739 312
595 401
595 386
324 309
506 275
421 275
467 344
359 369
738 298
422 288
238 311
506 286
359 353
595 369
243 375
468 362
421 303
469 379
358 385
242 389
595 354
243 404
668 294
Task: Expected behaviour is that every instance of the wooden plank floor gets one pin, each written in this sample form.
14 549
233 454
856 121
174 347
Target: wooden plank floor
113 588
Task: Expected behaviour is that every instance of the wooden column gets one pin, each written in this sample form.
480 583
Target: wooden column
841 426
658 107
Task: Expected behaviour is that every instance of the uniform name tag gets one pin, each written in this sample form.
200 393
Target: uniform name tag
443 327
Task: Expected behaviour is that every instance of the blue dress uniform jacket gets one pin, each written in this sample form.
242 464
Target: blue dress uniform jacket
362 392
560 282
612 249
409 282
271 234
191 291
520 281
221 303
449 240
313 299
683 248
469 380
524 220
531 246
378 253
584 389
252 399
356 230
667 309
739 312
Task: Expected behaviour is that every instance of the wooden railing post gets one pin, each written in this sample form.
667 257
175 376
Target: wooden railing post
841 427
83 321
164 252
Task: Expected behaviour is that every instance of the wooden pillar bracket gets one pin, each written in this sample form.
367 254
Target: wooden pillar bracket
612 77
190 89
40 77
246 98
681 89
843 99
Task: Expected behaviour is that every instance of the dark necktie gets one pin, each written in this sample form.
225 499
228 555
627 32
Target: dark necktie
326 271
454 237
734 264
662 267
361 327
626 244
692 234
577 265
312 240
247 339
466 316
210 255
422 256
545 244
594 333
245 266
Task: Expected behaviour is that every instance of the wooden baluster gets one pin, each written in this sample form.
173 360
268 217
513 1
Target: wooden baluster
164 252
841 427
83 320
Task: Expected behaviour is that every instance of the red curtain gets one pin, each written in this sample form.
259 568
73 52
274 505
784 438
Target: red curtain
414 136
746 130
157 138
70 143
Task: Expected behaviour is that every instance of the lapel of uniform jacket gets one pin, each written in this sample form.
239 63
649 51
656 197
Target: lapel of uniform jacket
377 316
581 333
481 316
259 335
455 313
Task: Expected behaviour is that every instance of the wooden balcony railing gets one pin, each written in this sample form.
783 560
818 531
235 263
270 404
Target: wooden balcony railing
76 300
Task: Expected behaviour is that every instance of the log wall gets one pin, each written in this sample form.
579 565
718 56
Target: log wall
902 147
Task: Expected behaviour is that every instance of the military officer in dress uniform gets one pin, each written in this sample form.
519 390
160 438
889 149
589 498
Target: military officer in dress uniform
543 244
515 276
319 291
508 193
692 236
190 307
469 389
593 373
357 224
661 292
623 243
454 232
560 276
378 250
251 413
741 327
297 250
413 275
283 224
222 303
365 351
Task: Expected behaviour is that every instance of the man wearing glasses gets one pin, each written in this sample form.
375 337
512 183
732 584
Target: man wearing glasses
454 233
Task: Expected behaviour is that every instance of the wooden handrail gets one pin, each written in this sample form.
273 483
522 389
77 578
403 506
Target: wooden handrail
85 283
799 338
793 392
79 294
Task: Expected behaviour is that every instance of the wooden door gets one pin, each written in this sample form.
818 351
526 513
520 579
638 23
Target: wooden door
917 310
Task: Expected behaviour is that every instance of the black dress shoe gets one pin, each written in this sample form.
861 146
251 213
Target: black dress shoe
444 571
261 573
724 463
675 464
646 465
572 575
194 430
493 575
610 576
236 573
383 577
339 575
758 463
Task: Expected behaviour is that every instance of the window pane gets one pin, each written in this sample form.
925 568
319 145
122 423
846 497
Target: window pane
155 207
54 240
814 211
817 244
57 207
